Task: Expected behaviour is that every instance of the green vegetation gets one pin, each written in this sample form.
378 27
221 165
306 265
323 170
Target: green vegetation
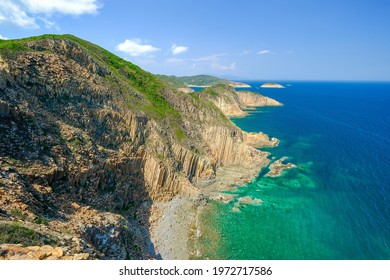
129 205
173 81
41 221
17 213
139 89
11 48
180 135
205 103
203 80
200 80
17 234
145 83
160 156
223 91
76 142
213 91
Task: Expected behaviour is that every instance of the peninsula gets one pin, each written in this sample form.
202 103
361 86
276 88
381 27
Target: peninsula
201 81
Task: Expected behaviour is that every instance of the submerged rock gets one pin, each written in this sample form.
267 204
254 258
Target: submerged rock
245 200
257 201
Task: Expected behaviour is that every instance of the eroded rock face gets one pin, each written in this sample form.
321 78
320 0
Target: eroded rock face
80 150
251 99
232 103
259 140
45 252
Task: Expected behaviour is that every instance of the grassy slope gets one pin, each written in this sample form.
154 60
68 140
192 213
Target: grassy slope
172 81
203 80
199 80
149 86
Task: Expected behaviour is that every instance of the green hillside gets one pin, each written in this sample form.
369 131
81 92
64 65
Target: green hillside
203 80
172 81
199 80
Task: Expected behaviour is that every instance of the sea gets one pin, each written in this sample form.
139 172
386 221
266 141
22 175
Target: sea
336 204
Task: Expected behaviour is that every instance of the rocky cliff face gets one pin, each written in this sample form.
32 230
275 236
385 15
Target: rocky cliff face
252 99
88 142
232 103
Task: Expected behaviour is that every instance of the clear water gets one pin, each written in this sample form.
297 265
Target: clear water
336 204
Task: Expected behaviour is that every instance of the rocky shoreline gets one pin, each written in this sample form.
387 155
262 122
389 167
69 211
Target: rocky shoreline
175 225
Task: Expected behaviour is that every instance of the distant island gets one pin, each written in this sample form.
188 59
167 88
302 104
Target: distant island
199 81
271 85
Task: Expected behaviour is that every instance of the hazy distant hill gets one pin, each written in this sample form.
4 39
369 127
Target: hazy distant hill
203 80
172 81
199 80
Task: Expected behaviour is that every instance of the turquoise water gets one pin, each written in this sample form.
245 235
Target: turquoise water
336 204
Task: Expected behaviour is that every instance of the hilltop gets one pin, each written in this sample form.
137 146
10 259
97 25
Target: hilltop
93 149
199 81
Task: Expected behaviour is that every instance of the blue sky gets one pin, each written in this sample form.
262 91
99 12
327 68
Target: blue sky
247 39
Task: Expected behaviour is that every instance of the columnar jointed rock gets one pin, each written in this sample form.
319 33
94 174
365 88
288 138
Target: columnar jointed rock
89 141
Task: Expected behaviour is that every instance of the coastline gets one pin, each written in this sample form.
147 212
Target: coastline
170 228
302 189
233 84
174 225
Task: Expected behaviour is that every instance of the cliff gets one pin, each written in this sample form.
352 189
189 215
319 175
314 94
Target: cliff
89 142
232 102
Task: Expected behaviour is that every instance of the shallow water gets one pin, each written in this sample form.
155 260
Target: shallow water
335 205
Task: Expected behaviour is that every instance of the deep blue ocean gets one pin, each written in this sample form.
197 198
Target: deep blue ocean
336 204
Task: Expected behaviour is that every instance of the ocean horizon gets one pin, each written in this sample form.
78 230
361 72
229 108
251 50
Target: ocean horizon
335 204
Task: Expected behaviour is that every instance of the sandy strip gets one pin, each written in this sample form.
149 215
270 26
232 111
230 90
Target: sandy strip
174 223
170 228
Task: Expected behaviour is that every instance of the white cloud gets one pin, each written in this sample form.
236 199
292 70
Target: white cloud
178 49
3 38
49 23
135 47
213 57
175 60
144 61
13 13
246 52
229 67
69 7
24 13
264 52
